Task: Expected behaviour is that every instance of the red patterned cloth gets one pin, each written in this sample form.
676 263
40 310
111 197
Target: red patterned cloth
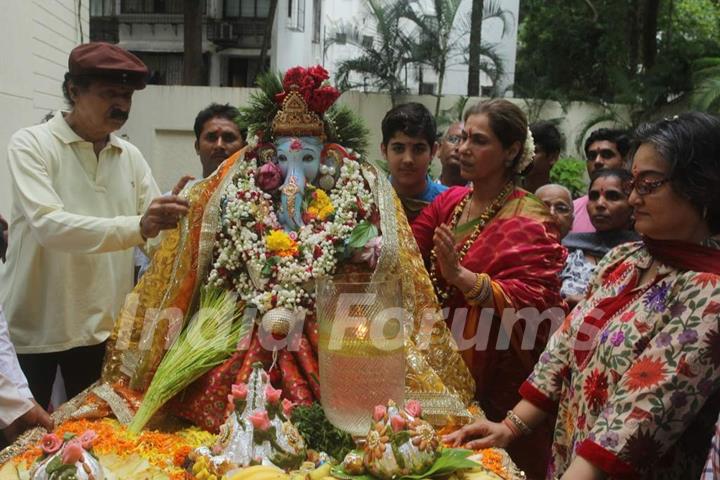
519 249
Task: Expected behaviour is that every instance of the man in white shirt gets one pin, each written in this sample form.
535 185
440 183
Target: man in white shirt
82 198
18 410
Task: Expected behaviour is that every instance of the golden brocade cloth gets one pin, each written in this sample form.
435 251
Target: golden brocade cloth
166 297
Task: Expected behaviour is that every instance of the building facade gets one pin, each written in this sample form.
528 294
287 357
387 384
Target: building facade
232 36
349 23
37 37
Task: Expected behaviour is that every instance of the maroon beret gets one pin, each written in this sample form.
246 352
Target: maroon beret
100 59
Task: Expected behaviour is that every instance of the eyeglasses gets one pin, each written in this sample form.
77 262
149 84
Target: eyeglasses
454 139
604 153
610 195
644 186
559 208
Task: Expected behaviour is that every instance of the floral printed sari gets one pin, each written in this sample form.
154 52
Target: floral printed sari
634 371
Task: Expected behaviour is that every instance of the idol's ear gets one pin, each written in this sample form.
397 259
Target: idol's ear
331 160
266 152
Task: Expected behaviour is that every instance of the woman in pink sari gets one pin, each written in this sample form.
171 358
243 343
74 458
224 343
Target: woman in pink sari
494 256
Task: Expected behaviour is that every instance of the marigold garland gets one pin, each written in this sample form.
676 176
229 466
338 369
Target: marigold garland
166 451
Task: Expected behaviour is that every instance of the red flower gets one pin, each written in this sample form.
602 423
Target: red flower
639 414
318 73
646 373
712 308
704 279
595 388
323 98
294 76
616 274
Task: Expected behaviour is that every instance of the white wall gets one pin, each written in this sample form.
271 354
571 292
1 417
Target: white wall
161 121
37 36
292 47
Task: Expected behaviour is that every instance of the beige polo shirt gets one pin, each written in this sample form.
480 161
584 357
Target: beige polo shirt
75 218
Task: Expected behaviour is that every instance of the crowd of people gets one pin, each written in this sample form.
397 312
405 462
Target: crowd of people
627 386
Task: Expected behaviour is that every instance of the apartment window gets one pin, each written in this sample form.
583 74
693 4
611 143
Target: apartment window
155 6
102 8
296 15
317 20
246 8
427 88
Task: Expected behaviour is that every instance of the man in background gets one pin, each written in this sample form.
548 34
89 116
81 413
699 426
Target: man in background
449 158
548 145
604 148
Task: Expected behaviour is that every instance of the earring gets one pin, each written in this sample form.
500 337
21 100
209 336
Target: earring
705 212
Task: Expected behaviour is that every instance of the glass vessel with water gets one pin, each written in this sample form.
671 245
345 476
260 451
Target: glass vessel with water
360 350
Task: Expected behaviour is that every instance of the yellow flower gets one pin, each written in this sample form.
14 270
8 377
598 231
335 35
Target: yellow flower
279 241
320 207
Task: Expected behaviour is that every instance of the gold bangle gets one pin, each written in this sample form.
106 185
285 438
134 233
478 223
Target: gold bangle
477 288
519 423
484 294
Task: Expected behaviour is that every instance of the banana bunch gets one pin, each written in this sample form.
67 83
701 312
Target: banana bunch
260 472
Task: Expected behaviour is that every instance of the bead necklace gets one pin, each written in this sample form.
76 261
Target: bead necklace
483 219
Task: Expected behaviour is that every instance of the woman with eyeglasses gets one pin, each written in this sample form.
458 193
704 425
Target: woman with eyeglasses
633 373
611 215
491 250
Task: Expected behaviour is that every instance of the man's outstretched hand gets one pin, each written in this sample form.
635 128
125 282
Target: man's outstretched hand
35 417
165 212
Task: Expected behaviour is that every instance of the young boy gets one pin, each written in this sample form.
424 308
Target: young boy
408 146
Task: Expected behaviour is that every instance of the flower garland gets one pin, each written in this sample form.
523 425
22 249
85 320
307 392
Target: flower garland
269 267
528 154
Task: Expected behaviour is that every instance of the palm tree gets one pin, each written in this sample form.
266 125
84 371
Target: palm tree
437 44
705 95
383 59
474 48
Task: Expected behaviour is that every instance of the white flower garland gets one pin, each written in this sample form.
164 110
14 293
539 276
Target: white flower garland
266 280
528 153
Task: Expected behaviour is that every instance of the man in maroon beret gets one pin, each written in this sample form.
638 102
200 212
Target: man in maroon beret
82 198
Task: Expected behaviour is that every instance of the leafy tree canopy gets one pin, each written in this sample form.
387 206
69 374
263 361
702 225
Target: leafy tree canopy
629 51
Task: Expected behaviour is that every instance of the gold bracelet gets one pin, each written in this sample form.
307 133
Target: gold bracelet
518 422
481 297
478 287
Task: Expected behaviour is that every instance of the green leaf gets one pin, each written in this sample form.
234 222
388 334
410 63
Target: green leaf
362 234
450 460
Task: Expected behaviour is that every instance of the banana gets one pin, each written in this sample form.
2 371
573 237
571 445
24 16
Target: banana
320 472
260 472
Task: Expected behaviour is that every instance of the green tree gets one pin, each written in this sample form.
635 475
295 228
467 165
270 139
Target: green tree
627 51
383 60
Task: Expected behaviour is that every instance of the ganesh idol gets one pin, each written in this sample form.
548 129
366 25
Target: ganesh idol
297 204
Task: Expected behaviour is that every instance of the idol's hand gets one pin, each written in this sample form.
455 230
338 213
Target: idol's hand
480 434
447 257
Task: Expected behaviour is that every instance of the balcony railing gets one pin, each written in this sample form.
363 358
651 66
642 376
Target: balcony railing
237 32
